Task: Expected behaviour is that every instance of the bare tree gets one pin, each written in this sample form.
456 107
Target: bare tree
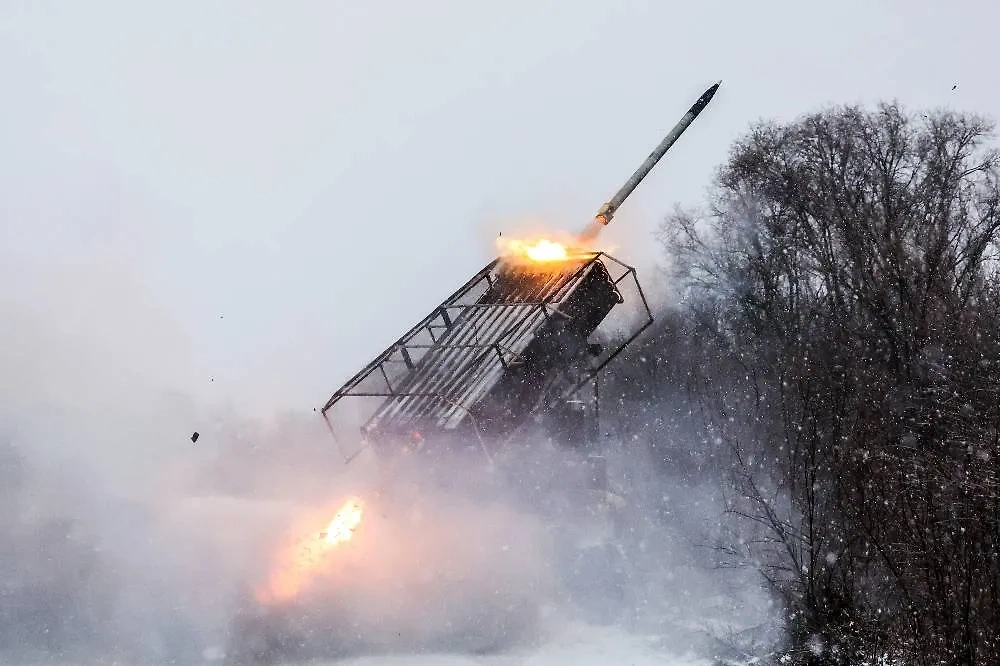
844 282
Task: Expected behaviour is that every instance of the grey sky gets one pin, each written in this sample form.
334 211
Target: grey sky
320 174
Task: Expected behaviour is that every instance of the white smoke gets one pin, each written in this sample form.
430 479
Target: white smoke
127 540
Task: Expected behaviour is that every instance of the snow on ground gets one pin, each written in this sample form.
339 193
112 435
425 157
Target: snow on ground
578 646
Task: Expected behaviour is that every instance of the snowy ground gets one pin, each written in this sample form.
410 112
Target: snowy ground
580 645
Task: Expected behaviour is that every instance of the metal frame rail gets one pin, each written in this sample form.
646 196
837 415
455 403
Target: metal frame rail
445 358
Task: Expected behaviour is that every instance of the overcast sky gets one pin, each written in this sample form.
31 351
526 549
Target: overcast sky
247 200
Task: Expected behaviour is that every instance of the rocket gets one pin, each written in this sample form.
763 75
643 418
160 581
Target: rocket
607 211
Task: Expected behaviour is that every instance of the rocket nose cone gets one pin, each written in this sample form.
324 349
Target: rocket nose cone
705 98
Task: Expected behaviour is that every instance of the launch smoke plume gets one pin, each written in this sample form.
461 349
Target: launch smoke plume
127 540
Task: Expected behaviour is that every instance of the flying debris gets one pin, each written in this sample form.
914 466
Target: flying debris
194 437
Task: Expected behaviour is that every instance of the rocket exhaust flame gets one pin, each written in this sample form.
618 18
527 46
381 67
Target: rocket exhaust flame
342 527
308 556
539 251
542 250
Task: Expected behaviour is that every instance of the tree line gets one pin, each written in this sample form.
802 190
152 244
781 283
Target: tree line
835 350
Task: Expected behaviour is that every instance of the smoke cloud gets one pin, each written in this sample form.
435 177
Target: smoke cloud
127 540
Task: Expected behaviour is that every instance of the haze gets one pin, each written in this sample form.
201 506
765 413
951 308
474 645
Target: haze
234 205
284 187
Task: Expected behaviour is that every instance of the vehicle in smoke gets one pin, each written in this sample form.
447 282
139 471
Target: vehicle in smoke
511 358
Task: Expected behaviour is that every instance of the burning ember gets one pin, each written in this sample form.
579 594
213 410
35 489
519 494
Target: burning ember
308 556
342 527
539 250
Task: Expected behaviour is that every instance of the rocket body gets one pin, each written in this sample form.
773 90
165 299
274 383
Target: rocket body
608 210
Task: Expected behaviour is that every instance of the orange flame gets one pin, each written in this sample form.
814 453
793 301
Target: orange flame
308 556
539 250
342 527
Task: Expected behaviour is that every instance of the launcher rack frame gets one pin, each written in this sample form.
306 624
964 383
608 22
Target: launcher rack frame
439 369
